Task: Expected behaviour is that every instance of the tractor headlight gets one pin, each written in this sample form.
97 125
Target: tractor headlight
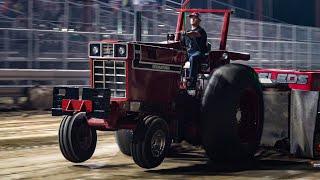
120 50
95 50
225 56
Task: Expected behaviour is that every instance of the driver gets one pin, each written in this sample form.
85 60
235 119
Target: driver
195 40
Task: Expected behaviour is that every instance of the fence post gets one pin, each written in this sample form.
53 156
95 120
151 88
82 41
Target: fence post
243 35
128 21
137 26
155 18
119 22
146 26
30 34
6 47
277 46
36 50
260 46
97 19
65 42
294 47
309 48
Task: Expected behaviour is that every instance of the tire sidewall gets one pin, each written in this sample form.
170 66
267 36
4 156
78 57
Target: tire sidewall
76 121
219 126
155 126
141 144
61 138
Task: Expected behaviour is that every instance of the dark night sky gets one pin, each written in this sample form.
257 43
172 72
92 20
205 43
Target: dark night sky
299 12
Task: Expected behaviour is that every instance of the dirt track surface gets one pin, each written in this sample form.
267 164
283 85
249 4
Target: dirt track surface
29 149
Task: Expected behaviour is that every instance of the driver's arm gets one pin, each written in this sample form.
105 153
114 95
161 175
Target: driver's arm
190 33
193 34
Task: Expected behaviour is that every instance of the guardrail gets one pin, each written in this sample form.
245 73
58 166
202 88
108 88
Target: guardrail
36 75
43 74
37 97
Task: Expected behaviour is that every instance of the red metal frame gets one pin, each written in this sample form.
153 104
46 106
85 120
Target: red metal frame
214 11
180 20
224 31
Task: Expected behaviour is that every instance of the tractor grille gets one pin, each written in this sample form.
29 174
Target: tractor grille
110 74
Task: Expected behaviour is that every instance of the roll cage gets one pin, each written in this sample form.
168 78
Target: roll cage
225 26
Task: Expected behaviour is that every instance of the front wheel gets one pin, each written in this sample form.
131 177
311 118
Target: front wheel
77 140
151 142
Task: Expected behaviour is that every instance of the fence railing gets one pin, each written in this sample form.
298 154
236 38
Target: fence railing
57 38
14 82
22 77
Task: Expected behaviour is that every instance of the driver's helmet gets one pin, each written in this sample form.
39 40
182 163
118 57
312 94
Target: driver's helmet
195 14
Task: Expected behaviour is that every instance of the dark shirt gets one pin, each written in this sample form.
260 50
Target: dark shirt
194 44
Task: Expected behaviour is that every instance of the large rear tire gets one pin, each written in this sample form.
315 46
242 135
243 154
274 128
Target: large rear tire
232 117
77 140
124 140
151 142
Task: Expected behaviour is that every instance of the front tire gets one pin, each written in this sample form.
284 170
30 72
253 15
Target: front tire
77 140
151 142
232 118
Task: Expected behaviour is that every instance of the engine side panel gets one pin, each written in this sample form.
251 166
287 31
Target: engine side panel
154 73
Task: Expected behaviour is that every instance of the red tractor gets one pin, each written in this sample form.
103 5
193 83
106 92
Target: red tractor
139 90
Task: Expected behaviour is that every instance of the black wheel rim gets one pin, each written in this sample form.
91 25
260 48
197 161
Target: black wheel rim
158 142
